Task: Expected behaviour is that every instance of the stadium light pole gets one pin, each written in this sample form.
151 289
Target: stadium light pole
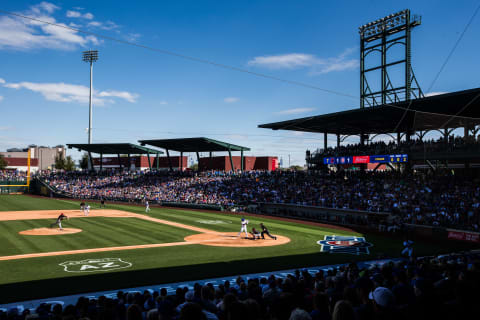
90 56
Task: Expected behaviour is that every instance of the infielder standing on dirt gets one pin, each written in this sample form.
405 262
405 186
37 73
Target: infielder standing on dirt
244 228
59 221
147 206
265 232
86 210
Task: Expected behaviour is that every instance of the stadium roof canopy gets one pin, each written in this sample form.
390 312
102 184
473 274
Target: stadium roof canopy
194 145
113 148
450 110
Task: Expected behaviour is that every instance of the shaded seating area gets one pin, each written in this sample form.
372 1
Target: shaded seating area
118 149
197 145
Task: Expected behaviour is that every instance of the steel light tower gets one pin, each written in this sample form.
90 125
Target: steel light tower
90 56
378 37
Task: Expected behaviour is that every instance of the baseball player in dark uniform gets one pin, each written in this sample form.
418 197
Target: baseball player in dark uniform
59 221
265 232
255 234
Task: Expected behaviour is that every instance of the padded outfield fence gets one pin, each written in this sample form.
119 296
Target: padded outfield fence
12 186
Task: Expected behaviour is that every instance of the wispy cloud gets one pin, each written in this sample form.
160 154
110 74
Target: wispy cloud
21 34
108 25
295 111
64 92
163 102
78 14
231 99
130 97
1 98
316 64
132 37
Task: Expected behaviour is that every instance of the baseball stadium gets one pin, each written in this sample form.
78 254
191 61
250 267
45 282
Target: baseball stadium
384 228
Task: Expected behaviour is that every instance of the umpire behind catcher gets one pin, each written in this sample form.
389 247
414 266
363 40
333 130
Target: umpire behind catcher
265 232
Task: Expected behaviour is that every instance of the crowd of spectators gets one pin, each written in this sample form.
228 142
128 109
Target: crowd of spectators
442 287
13 175
454 143
431 200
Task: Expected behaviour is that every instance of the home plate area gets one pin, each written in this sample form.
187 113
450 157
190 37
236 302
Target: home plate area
231 239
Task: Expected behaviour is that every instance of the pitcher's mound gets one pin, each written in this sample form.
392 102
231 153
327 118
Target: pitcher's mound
49 231
230 239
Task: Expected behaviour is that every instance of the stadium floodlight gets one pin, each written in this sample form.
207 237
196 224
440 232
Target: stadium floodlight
90 56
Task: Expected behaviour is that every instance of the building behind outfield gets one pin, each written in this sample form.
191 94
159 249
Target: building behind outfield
205 164
41 158
250 163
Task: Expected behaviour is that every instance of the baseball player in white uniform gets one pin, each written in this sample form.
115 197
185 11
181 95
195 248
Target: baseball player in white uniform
86 210
244 228
147 206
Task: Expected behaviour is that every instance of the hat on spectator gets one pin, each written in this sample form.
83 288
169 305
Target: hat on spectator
382 297
189 296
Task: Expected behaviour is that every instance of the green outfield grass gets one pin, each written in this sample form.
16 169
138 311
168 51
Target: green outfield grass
43 277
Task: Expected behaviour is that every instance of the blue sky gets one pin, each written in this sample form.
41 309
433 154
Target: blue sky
141 94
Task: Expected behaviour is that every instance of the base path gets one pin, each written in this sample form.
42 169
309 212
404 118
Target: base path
49 231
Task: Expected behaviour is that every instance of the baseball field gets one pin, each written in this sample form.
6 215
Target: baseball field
121 246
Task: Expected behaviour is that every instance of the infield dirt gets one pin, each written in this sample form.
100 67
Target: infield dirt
49 231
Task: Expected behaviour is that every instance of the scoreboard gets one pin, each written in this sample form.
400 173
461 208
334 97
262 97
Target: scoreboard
389 158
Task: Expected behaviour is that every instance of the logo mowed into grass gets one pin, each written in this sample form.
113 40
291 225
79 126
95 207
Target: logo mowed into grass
344 244
93 265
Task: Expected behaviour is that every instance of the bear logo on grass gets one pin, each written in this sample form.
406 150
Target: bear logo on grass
344 244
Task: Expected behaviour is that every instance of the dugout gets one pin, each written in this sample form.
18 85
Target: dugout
197 145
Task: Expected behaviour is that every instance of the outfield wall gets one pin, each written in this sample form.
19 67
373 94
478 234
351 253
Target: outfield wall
372 221
11 186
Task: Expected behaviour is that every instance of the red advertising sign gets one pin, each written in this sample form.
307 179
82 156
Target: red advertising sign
464 236
274 164
361 159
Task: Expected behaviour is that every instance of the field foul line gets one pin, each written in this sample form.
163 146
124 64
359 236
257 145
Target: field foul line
129 215
93 250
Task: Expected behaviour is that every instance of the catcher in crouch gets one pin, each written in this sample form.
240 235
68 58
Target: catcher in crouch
59 221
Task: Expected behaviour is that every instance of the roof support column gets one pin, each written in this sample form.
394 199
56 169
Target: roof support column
399 138
119 161
129 165
90 162
466 132
198 161
101 162
231 160
181 161
338 140
325 141
210 161
158 160
149 162
169 160
242 162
